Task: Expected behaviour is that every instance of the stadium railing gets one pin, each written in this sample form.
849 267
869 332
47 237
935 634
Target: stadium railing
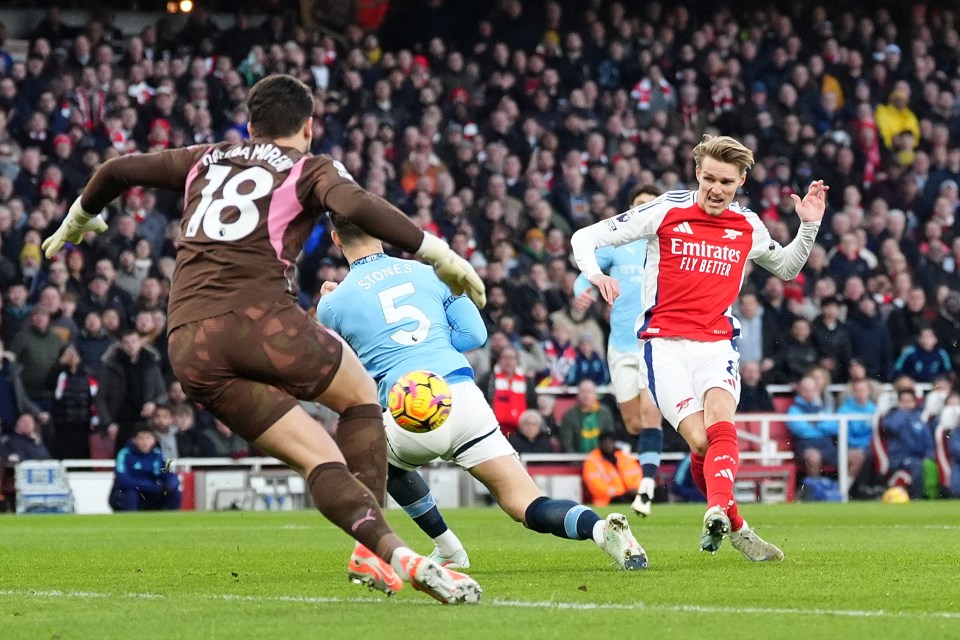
769 461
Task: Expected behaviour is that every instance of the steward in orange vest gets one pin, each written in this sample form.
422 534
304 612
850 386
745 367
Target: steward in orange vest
611 476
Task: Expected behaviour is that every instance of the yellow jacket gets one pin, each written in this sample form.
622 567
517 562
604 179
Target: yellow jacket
891 121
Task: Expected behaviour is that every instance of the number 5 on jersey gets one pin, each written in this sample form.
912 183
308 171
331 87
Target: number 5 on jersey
210 209
394 313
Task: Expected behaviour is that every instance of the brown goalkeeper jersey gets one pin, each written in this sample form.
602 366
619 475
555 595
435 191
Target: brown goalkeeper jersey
248 210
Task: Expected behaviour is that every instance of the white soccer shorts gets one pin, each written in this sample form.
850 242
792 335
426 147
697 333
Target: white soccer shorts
679 373
470 435
627 374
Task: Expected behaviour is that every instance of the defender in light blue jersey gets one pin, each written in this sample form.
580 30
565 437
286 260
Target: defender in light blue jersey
399 317
624 358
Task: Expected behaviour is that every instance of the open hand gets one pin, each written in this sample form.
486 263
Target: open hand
811 208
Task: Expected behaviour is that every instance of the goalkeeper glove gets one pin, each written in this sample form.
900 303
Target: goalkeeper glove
76 223
456 273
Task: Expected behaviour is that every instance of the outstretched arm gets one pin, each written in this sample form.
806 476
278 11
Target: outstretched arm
161 170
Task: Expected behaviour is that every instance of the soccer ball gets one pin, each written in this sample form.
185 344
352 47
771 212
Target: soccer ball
420 401
896 495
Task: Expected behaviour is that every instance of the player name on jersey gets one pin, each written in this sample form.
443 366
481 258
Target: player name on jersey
380 275
267 152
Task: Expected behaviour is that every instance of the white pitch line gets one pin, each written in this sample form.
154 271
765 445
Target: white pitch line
513 604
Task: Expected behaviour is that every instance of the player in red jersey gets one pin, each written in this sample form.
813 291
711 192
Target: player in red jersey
698 245
239 343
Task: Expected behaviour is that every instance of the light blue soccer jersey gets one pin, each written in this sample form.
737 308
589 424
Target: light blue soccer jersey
399 317
625 264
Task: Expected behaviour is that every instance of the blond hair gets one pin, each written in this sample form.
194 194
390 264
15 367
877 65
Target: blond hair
725 149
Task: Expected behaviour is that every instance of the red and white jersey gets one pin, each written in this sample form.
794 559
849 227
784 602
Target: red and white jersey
695 262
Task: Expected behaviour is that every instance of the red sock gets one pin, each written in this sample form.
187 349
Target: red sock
696 468
736 520
720 466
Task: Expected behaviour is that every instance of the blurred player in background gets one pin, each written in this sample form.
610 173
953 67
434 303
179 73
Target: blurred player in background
238 342
399 318
640 414
700 242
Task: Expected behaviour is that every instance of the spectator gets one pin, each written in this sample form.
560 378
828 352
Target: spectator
776 305
589 364
531 436
760 332
813 441
73 414
189 424
560 354
869 338
831 338
24 443
859 432
93 342
141 481
37 349
924 360
905 322
754 397
16 311
797 354
98 299
895 117
221 442
61 322
947 327
545 407
131 387
510 391
909 442
13 397
166 432
847 261
581 425
611 476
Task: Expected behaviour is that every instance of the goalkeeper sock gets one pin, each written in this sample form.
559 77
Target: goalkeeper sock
362 440
348 504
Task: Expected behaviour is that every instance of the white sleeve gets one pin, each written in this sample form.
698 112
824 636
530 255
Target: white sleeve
634 224
786 262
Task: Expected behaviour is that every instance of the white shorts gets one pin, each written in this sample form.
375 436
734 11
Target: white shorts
627 374
679 373
470 435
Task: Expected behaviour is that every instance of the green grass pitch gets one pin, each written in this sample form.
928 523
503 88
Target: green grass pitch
864 570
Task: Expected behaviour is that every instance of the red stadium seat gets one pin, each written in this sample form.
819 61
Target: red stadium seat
560 408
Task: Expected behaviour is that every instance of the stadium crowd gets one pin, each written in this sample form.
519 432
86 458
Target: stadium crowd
503 135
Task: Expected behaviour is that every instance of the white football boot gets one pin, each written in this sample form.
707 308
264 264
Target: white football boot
753 547
619 543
